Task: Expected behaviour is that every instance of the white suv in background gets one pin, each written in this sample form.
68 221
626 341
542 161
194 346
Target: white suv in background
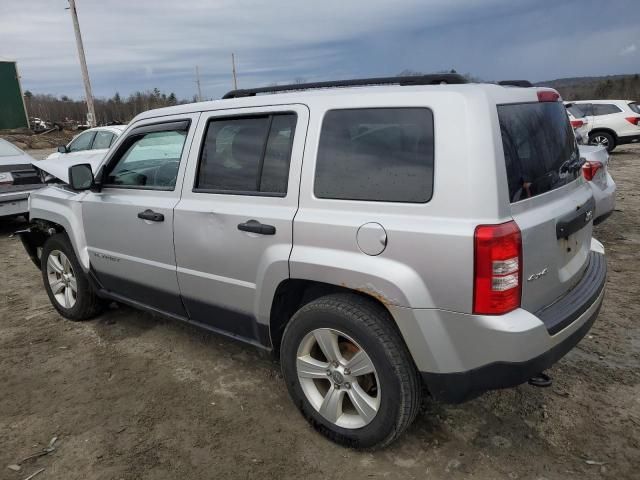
610 122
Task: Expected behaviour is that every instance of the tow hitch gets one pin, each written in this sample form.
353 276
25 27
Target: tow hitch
540 380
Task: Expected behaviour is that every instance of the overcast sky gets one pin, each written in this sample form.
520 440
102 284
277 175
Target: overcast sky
141 44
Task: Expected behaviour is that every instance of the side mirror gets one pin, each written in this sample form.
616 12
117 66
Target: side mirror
81 176
63 149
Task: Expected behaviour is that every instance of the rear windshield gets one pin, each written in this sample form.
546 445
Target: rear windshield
540 149
635 106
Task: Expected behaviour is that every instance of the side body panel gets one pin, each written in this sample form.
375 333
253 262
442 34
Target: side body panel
428 259
228 277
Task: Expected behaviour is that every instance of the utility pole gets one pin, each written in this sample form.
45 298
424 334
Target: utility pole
198 83
91 117
233 70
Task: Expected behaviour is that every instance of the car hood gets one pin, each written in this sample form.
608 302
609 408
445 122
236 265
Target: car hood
59 167
19 159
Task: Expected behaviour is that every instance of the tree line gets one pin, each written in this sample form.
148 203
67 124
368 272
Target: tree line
121 110
618 88
108 110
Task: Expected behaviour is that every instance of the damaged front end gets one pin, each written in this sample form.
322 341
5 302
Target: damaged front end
33 239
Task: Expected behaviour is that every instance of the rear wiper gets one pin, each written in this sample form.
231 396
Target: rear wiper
572 165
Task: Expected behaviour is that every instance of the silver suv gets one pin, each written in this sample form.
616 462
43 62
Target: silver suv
378 238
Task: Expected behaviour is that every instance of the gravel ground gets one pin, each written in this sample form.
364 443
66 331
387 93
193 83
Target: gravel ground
131 396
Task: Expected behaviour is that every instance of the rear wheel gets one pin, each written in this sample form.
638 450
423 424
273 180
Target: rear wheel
603 138
65 282
349 372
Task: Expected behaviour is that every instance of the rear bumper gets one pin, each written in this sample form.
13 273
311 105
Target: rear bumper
462 386
461 356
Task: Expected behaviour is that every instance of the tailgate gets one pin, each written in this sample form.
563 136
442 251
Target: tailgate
556 240
550 200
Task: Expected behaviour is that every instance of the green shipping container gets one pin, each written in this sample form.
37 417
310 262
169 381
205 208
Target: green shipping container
12 110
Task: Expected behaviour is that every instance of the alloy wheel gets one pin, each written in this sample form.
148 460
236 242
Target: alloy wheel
338 378
600 140
62 280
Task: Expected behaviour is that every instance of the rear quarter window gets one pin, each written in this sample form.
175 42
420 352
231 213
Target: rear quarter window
376 154
605 109
540 149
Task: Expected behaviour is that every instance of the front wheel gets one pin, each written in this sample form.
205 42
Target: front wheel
604 139
349 372
66 283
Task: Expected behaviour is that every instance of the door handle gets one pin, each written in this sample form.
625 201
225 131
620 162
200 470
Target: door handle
151 215
255 226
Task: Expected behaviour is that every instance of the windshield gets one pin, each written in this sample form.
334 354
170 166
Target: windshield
635 106
7 150
540 149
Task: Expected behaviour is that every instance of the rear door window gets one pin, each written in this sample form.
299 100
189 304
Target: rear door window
247 155
376 154
540 149
605 109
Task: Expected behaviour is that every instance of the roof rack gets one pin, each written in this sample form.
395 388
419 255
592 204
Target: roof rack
515 83
436 79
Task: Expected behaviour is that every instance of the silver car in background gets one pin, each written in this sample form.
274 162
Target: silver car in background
595 170
17 180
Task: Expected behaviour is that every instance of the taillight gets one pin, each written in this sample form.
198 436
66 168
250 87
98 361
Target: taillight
498 268
548 96
589 169
633 120
577 123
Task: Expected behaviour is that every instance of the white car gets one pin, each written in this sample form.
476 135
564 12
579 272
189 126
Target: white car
610 122
595 171
92 143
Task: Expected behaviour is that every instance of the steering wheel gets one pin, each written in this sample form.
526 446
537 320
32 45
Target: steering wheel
166 174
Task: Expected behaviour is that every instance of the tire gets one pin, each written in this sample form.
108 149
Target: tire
392 390
603 138
60 268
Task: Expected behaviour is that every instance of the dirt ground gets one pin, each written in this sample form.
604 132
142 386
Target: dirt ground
130 396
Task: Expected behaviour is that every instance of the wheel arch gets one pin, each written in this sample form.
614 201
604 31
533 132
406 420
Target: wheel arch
293 293
60 210
605 130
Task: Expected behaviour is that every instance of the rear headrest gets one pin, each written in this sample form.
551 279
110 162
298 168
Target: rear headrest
247 145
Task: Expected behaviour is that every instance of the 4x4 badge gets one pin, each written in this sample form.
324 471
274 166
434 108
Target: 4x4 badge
536 276
588 216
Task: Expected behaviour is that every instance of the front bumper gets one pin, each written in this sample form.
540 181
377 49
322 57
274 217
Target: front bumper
461 356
